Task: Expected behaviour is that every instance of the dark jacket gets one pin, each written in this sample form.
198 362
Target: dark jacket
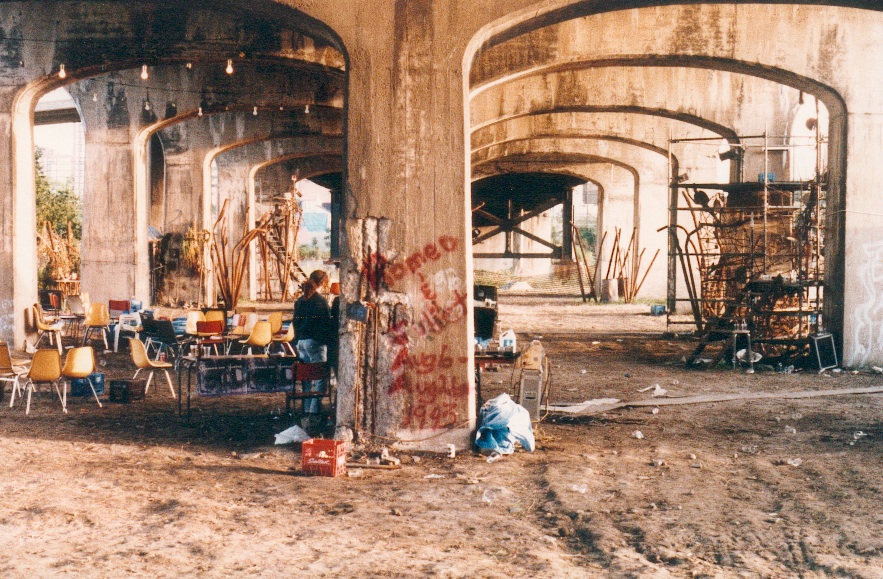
312 319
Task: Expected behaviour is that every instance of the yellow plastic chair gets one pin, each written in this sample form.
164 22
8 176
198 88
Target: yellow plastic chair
10 373
260 337
44 327
97 318
275 319
45 369
80 362
285 340
190 324
143 362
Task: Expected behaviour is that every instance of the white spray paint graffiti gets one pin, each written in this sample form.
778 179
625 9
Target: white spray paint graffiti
7 319
867 318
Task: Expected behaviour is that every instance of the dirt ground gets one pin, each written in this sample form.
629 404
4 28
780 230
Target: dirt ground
708 491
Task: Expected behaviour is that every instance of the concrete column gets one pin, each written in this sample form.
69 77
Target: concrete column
616 210
406 241
862 291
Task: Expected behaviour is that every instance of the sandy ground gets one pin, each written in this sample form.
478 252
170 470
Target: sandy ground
131 490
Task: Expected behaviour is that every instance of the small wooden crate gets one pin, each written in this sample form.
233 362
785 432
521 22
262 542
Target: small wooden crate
125 391
323 457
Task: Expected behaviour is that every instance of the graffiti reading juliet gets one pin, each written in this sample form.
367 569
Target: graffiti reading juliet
431 381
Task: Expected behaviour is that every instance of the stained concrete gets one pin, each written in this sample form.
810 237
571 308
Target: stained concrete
410 70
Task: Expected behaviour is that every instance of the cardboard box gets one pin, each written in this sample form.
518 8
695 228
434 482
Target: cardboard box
323 457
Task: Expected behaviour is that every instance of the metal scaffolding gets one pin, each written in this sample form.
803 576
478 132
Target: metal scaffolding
749 253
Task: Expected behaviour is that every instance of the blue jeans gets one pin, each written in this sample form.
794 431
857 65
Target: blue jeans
312 351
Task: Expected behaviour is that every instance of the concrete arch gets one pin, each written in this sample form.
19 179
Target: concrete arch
528 16
842 28
85 58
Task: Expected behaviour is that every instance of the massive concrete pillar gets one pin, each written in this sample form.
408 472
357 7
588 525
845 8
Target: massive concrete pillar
406 241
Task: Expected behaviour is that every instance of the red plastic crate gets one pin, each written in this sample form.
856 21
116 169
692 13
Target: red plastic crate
323 457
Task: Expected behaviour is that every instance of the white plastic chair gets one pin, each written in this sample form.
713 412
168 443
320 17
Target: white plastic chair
126 323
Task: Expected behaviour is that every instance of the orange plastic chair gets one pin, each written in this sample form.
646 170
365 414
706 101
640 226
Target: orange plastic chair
44 328
97 318
285 340
10 373
260 337
143 362
275 319
45 369
193 318
80 362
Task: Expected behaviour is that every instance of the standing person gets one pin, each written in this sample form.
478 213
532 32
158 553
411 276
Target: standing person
311 321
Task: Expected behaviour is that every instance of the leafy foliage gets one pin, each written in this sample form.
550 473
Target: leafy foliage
57 206
59 229
587 234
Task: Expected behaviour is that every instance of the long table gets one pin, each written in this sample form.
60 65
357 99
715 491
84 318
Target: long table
234 375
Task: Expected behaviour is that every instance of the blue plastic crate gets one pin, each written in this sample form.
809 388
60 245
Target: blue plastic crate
179 325
80 386
657 310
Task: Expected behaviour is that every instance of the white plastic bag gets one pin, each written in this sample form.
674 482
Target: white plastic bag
503 423
291 435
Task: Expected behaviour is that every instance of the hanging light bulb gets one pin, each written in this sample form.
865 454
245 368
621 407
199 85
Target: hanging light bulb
94 97
147 104
144 74
281 108
307 109
61 72
255 111
189 65
229 68
199 112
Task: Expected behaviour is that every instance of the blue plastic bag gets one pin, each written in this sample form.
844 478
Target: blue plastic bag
503 422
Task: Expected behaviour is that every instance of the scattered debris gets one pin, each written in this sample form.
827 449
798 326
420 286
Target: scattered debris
434 476
657 462
638 434
877 369
790 430
488 496
794 461
452 451
354 472
655 410
588 407
494 456
580 488
859 434
657 390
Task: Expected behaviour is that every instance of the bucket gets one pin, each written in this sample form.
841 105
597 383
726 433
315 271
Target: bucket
609 290
507 341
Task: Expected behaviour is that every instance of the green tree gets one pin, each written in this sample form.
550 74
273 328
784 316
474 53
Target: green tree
587 234
57 206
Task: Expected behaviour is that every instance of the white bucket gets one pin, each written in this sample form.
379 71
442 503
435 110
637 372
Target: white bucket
507 341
